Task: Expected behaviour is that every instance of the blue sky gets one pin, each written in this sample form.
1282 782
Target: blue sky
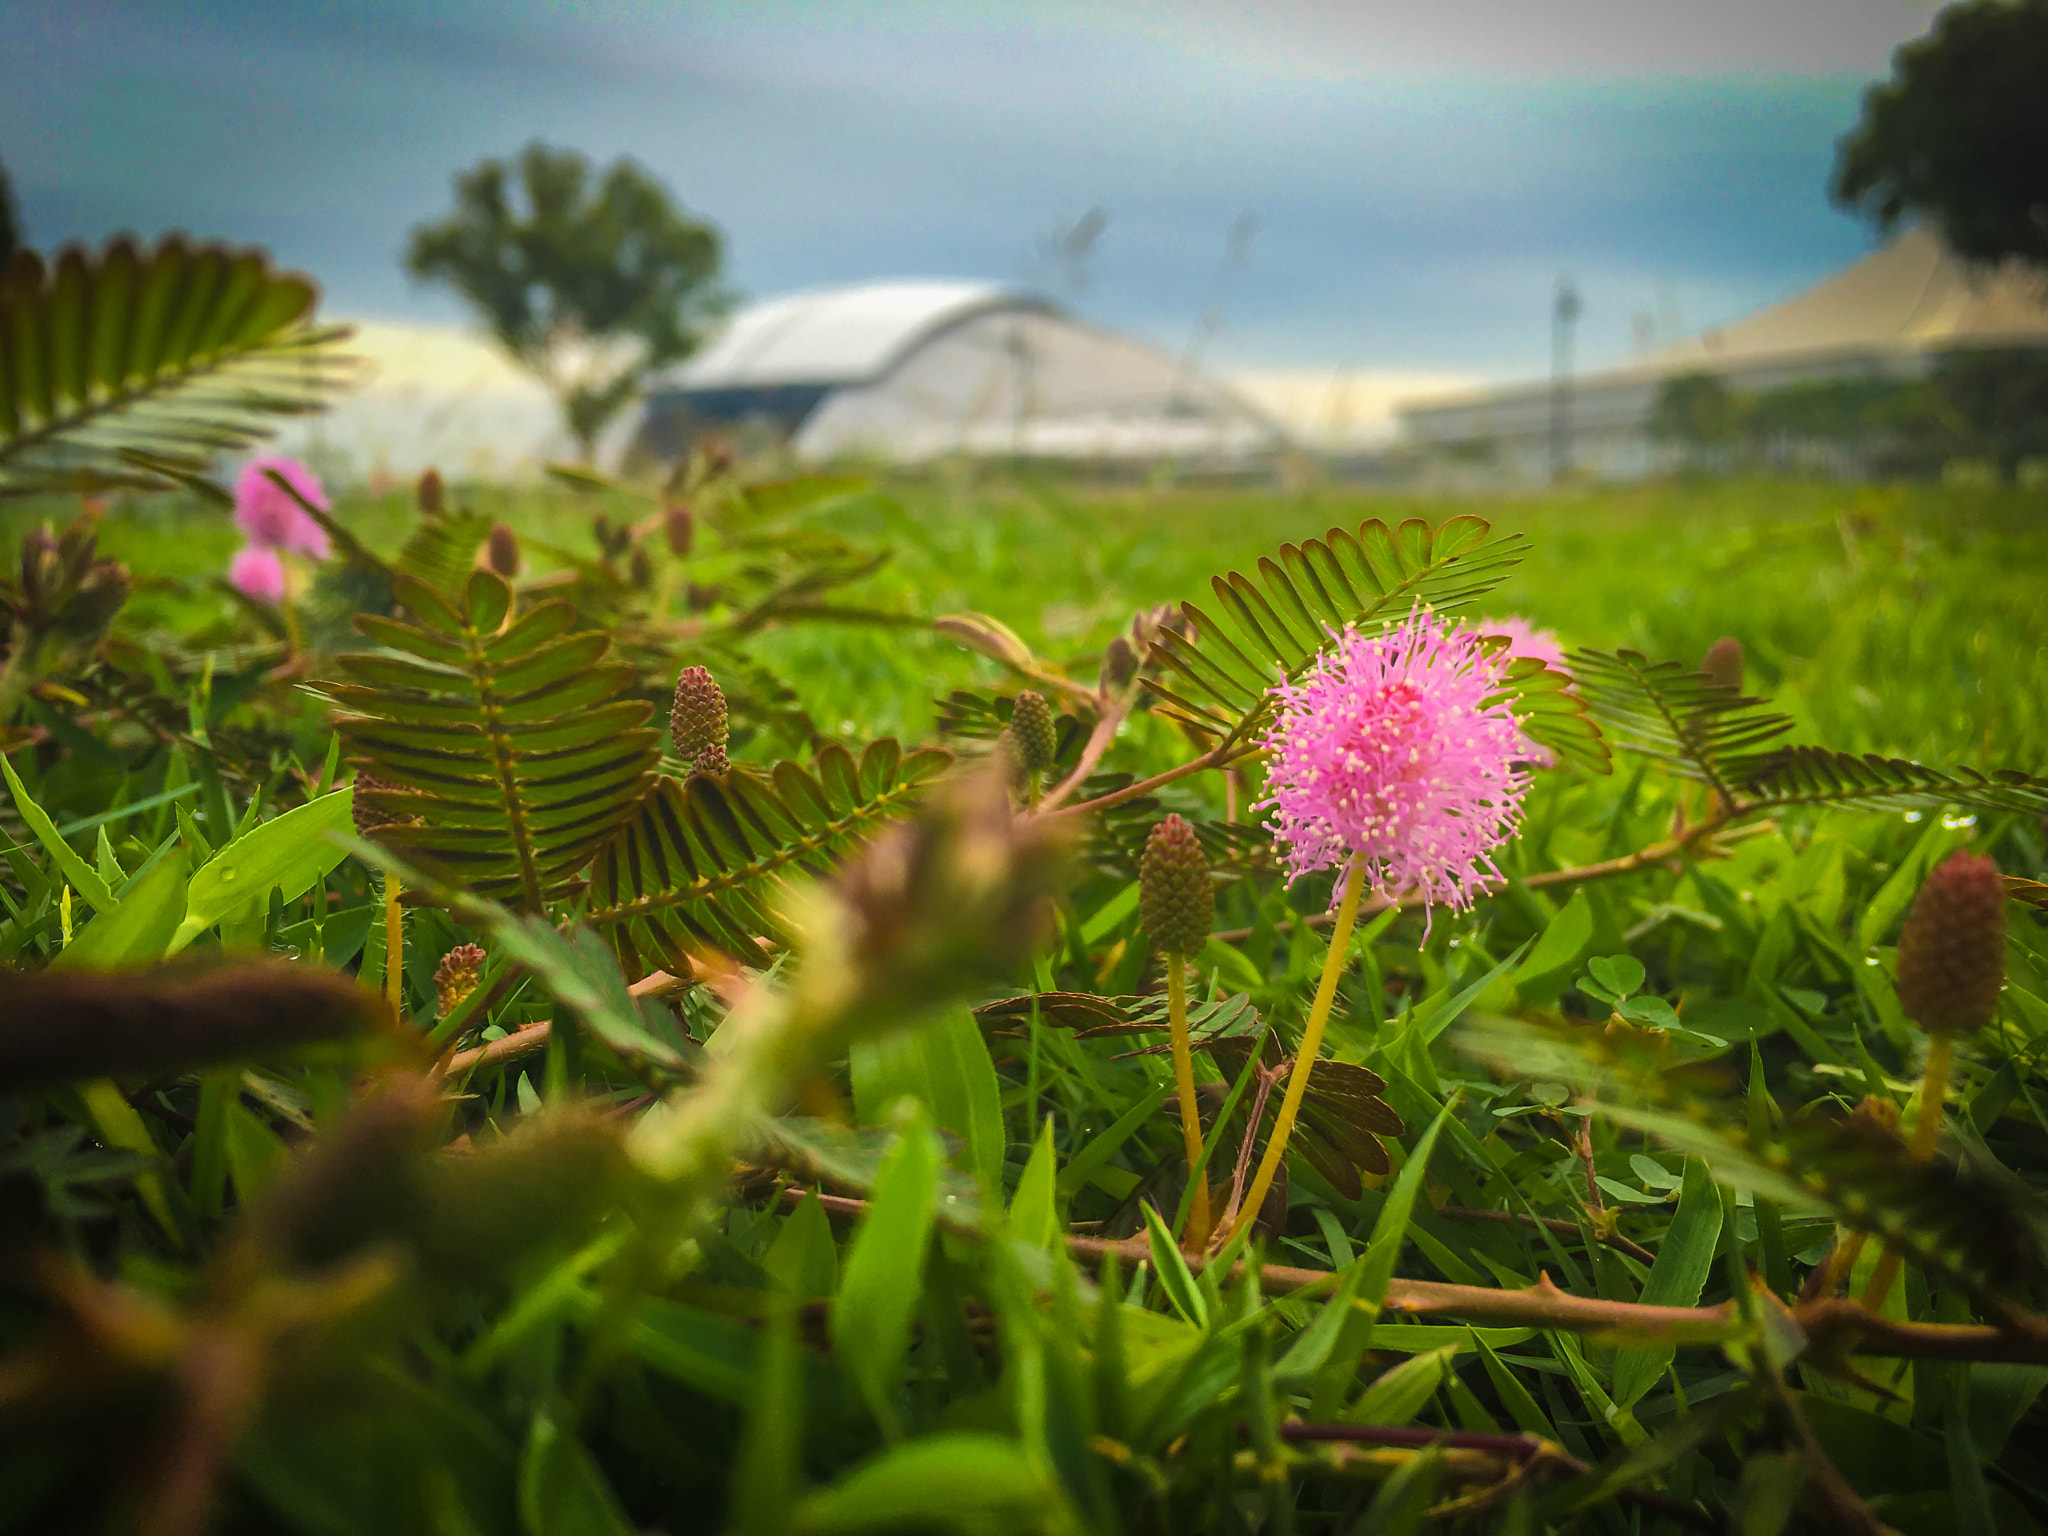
1420 173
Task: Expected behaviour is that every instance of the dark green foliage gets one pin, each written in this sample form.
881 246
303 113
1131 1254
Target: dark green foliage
513 726
694 865
1956 134
551 262
135 368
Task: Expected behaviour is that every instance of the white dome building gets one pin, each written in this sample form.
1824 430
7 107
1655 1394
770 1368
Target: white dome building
910 371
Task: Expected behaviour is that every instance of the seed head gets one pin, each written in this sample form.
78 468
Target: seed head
1031 732
1723 663
679 526
501 551
697 721
1176 902
1396 748
457 975
1952 949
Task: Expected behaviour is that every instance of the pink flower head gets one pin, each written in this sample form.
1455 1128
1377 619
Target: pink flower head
270 518
258 573
1394 747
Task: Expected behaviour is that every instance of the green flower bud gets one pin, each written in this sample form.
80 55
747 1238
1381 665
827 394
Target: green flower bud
1176 902
1952 949
698 721
1031 732
1723 663
457 975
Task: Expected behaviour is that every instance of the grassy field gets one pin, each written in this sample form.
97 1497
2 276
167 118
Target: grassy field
1907 620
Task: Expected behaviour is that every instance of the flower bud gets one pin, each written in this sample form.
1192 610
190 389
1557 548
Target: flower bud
457 975
1952 949
1723 663
1176 902
640 569
1031 732
501 551
697 721
1119 663
679 526
430 495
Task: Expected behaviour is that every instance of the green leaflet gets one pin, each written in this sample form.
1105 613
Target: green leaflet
945 1065
952 1482
288 852
884 1274
1684 1260
140 926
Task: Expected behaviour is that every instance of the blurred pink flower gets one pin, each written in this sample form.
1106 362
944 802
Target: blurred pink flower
258 573
1525 639
1388 748
271 518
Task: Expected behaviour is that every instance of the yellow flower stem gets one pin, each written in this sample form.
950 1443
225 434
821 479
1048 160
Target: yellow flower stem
1190 1117
1311 1044
1926 1127
394 946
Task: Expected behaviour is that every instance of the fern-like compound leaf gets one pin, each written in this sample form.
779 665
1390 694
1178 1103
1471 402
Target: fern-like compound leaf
1217 677
509 755
1663 710
695 866
131 368
1816 776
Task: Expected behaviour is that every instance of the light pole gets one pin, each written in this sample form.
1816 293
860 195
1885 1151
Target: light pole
1564 315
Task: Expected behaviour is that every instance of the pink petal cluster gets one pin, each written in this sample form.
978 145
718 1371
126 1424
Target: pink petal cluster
259 574
1388 748
270 517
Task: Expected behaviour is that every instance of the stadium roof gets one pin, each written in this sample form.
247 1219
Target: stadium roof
837 335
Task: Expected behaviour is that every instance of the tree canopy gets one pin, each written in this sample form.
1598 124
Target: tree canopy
588 282
1959 134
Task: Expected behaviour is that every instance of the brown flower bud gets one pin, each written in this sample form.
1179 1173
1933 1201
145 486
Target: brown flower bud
1723 663
1119 663
697 721
640 569
501 551
1176 902
679 526
430 495
457 975
1952 948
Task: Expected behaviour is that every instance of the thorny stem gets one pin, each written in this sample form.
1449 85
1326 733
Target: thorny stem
1215 757
1926 1128
1190 1117
1311 1043
1106 725
1244 1147
2019 1337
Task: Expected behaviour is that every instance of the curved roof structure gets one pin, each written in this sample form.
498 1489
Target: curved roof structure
915 370
837 335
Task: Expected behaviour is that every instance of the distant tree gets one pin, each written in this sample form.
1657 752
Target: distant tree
1995 402
1699 413
1959 133
10 222
589 286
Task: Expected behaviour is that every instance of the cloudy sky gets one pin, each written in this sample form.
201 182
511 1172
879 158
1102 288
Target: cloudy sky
1419 173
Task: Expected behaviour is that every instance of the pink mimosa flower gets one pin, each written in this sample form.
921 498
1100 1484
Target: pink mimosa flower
270 517
258 573
1388 748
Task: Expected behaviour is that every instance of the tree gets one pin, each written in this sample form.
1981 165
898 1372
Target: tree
1959 134
588 287
10 222
1700 414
